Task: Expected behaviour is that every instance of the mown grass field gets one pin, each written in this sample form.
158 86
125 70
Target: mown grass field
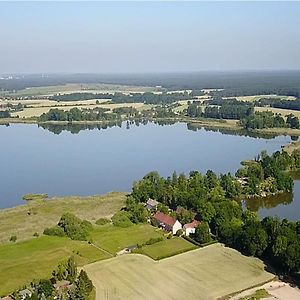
167 248
206 273
34 216
113 239
23 262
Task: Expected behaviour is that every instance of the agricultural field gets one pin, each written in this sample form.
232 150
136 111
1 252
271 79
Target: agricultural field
42 254
257 97
79 88
205 273
22 262
167 248
37 111
281 111
114 239
34 216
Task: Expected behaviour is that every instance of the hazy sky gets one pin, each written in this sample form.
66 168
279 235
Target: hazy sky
106 37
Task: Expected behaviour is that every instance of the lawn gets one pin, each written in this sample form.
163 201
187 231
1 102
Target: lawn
206 273
22 262
168 247
113 239
24 220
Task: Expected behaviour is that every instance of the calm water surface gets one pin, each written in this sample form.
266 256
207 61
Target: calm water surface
34 160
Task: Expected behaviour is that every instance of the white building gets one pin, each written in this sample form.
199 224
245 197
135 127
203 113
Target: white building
190 227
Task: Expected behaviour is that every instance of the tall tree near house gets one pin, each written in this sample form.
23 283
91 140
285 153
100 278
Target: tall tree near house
71 269
202 234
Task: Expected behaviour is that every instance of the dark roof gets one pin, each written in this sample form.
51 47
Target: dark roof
165 219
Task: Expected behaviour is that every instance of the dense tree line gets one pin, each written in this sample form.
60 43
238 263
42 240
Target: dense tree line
226 110
279 103
75 114
4 114
80 96
148 97
267 174
151 98
267 119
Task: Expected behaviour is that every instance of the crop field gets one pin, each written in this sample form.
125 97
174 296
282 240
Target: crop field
25 220
38 110
281 111
257 97
113 239
22 262
80 88
167 248
206 273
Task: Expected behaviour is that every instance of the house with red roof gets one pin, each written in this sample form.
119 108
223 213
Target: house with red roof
167 222
190 227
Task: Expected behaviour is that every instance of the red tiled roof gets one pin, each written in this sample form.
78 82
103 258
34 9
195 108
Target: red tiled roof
161 217
193 224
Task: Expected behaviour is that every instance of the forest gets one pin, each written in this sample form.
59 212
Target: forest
215 199
234 83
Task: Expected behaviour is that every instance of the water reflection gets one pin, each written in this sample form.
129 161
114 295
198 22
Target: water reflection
76 128
257 203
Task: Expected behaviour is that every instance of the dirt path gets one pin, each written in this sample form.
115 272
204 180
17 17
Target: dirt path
278 290
103 250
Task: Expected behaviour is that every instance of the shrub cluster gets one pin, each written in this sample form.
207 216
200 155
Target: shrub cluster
102 221
70 226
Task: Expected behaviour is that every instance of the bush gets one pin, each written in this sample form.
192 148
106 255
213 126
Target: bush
179 232
102 221
29 197
35 234
154 240
188 238
71 226
121 219
54 231
170 235
13 238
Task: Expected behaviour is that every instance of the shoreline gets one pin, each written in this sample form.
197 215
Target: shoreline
230 125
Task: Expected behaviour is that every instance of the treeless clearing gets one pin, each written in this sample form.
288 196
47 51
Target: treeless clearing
167 248
206 273
257 97
23 262
113 239
281 111
24 220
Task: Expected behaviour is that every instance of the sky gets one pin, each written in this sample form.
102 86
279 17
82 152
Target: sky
133 37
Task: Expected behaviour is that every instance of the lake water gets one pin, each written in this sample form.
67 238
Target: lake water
96 161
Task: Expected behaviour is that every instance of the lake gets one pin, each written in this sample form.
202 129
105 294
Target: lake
70 161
